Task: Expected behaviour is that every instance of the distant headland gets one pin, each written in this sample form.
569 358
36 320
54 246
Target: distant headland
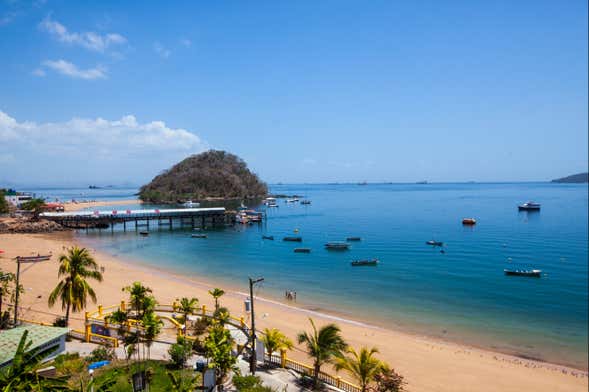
210 175
573 179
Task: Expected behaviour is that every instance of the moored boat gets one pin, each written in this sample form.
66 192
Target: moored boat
533 273
306 202
293 239
529 206
199 236
435 243
302 250
190 204
144 233
359 263
268 237
353 239
337 246
469 221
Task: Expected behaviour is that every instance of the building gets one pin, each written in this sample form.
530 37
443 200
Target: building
17 198
46 339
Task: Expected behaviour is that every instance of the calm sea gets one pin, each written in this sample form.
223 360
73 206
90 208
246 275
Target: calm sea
461 294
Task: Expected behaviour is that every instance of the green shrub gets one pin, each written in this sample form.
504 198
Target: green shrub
250 384
3 203
102 353
179 352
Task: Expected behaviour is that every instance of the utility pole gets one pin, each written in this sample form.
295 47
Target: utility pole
253 358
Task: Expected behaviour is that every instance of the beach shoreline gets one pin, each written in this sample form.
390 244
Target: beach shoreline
428 363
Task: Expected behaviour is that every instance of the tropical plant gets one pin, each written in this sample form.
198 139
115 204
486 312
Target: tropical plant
274 340
102 353
36 206
221 315
77 267
183 384
152 326
216 293
140 298
179 352
388 380
362 366
218 345
323 346
249 383
188 306
105 384
3 202
22 374
6 280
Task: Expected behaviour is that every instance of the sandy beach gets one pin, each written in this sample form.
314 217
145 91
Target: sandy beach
80 205
427 364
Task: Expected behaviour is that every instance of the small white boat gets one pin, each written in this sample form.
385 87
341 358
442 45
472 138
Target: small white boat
190 204
270 202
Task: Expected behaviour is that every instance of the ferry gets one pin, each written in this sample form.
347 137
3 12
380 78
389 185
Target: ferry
534 273
529 206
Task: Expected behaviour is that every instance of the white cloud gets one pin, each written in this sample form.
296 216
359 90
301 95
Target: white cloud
39 72
122 149
186 42
69 69
89 39
161 50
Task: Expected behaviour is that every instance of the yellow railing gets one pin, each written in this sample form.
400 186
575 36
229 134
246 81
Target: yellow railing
35 322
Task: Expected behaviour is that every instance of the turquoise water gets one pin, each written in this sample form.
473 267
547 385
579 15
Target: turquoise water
461 294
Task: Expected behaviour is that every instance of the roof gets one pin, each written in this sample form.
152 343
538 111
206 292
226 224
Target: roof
39 334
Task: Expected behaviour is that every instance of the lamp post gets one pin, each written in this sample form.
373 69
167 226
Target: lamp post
253 358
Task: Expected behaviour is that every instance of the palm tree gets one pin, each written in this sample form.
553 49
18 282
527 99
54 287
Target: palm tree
363 366
140 298
152 326
216 293
323 346
187 306
73 291
274 340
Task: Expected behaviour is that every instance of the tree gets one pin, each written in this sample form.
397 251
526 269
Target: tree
323 346
3 202
140 298
183 384
22 375
73 291
218 347
187 306
216 293
36 206
387 380
6 279
274 340
363 366
180 351
152 326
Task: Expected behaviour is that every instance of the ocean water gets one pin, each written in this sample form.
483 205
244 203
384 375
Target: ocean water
460 295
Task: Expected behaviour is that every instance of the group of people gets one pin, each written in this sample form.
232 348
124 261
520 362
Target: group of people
290 295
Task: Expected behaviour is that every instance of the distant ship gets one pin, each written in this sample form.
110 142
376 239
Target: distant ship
421 182
363 183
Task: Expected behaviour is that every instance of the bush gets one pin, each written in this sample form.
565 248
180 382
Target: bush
60 322
69 363
102 354
3 203
249 384
179 352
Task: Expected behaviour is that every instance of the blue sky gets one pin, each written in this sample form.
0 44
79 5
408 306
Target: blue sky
305 91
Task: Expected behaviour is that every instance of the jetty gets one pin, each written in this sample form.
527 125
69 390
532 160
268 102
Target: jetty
181 217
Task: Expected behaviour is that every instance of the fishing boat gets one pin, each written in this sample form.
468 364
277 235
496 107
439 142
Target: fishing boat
268 237
360 263
469 221
529 206
435 243
353 239
306 202
199 236
144 233
293 239
270 202
293 200
534 273
337 246
302 250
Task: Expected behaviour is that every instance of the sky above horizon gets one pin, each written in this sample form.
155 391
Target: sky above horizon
304 91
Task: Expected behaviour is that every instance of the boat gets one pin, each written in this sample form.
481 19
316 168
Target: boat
144 233
359 263
363 183
534 273
270 202
198 236
353 239
337 246
293 200
302 250
529 206
293 239
435 243
469 221
306 202
268 237
190 204
424 182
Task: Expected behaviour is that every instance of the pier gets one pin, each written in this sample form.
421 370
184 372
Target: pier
181 217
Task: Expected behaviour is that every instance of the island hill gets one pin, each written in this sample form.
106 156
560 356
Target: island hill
574 179
210 175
